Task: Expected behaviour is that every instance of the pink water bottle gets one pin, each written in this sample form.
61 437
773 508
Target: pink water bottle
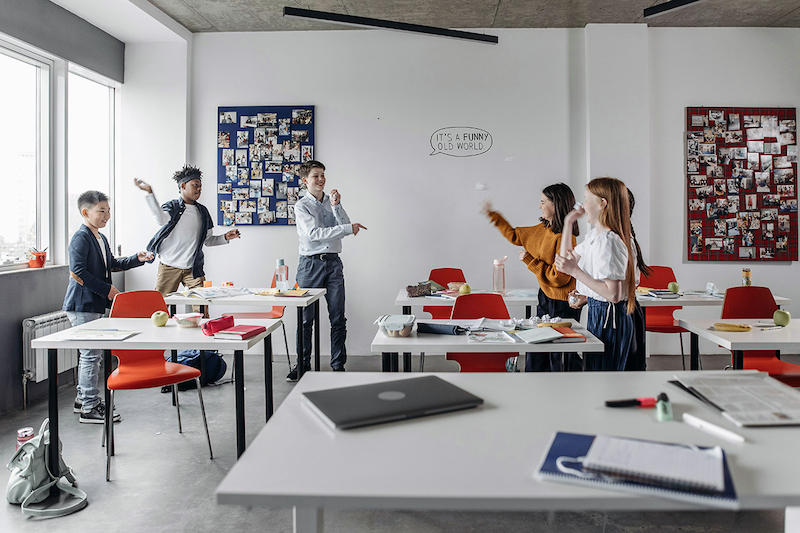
499 276
281 276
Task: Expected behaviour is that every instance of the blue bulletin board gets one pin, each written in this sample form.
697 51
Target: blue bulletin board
260 150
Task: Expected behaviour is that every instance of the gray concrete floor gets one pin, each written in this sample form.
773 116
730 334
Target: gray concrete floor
164 481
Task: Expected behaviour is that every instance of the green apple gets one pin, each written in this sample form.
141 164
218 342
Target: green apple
464 289
159 318
673 287
781 317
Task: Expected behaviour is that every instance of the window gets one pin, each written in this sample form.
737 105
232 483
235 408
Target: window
24 152
90 142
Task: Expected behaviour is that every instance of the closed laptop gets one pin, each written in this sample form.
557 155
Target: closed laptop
388 401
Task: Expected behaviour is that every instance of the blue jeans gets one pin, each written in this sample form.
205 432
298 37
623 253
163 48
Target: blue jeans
328 273
88 365
612 324
552 362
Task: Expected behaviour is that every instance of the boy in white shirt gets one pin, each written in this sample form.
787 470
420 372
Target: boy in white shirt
322 223
186 226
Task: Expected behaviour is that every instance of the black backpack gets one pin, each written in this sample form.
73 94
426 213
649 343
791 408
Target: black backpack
215 367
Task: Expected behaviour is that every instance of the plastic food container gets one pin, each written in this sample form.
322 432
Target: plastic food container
396 325
188 320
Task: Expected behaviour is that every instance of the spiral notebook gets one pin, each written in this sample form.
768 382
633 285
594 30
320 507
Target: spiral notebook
675 471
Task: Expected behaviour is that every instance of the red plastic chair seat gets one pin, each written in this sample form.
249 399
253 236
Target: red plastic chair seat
480 306
758 302
443 276
662 322
270 315
144 369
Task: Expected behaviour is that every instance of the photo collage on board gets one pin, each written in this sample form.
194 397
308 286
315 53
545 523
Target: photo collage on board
741 168
260 150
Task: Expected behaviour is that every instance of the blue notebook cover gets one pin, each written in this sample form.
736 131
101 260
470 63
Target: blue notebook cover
573 445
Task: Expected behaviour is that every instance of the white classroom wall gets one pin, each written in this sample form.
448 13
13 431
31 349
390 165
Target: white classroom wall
545 95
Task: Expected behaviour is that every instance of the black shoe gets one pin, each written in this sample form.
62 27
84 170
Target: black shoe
292 377
338 369
97 415
76 407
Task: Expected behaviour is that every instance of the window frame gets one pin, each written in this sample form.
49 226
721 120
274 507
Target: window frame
45 118
113 86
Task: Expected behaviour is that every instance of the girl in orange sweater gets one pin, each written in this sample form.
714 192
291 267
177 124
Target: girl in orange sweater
540 245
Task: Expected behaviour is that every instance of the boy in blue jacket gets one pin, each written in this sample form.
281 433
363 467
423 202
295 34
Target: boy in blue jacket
90 293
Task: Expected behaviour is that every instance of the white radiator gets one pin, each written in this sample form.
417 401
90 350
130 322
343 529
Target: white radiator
34 362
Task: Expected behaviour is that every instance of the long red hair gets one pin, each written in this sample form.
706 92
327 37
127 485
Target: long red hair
617 217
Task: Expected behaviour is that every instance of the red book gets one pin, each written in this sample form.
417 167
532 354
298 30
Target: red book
239 332
570 335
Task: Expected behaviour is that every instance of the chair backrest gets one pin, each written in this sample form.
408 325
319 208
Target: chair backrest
659 278
748 302
480 305
137 304
443 276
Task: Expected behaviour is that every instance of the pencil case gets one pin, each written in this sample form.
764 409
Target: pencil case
216 324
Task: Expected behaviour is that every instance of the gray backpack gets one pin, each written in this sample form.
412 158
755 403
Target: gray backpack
31 479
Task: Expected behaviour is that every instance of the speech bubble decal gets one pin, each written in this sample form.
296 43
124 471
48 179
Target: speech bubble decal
461 141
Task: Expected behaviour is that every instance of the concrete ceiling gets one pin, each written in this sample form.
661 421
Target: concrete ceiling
267 15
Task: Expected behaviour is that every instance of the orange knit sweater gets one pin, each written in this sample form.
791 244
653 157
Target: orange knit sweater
541 246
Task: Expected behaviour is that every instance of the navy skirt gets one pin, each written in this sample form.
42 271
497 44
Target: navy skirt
612 324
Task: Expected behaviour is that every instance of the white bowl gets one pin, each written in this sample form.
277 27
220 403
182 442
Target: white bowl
188 320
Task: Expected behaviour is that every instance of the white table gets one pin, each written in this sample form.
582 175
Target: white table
150 337
694 300
422 301
787 338
256 301
484 459
390 347
691 300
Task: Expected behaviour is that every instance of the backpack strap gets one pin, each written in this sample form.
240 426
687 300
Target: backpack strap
80 502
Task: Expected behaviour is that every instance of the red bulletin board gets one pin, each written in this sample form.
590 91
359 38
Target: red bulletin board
741 183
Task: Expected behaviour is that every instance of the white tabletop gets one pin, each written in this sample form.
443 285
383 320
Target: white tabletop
434 343
484 459
251 300
150 337
694 300
530 298
784 339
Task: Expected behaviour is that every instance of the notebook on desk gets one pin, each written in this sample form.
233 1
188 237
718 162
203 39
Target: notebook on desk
388 401
692 474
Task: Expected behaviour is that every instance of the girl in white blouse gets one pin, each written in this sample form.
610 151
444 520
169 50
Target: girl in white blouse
604 268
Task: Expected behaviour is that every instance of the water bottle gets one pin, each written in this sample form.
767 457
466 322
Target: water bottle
281 276
499 276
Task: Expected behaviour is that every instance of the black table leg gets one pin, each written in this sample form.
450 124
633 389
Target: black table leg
394 364
52 405
316 335
109 407
406 309
738 359
386 358
300 342
694 363
528 309
406 362
174 359
268 374
238 364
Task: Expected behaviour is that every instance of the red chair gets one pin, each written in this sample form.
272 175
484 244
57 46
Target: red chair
144 369
660 319
443 276
275 312
758 302
482 305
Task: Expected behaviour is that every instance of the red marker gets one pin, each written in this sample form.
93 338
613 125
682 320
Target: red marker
633 402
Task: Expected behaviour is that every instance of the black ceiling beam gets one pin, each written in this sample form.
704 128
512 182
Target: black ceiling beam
660 9
351 20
